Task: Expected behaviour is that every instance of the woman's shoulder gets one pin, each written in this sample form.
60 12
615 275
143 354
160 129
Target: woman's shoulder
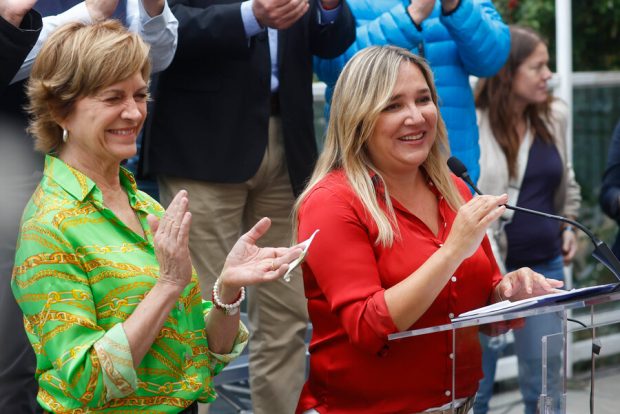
332 189
47 204
558 111
334 182
559 108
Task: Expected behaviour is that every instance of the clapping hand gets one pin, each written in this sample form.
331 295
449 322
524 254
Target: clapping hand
525 283
419 10
99 10
171 239
13 11
248 264
279 14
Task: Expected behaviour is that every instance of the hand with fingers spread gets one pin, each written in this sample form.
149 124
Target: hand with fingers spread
471 223
279 14
171 239
525 283
248 264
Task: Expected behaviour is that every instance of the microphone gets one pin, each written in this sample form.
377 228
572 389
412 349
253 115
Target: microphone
601 252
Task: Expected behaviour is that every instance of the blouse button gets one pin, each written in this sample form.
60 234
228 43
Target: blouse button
451 355
440 244
448 393
453 278
451 315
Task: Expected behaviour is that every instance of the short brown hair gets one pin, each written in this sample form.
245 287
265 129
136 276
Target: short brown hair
76 61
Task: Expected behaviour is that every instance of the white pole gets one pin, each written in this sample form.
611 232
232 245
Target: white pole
564 61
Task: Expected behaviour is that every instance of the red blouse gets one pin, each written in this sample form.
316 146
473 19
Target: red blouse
353 367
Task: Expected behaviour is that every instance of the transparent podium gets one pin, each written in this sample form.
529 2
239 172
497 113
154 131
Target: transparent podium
545 335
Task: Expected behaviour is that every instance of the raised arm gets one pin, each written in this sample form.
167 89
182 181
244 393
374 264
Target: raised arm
156 24
19 29
481 37
159 31
393 26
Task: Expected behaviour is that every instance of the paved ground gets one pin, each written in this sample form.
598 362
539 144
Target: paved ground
607 397
606 401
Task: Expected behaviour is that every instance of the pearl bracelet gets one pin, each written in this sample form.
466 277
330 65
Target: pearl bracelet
228 308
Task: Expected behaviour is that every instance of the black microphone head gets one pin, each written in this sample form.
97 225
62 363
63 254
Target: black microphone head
457 167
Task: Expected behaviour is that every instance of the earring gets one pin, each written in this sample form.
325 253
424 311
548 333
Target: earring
65 135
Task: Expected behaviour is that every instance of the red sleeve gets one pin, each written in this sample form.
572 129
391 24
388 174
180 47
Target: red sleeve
342 262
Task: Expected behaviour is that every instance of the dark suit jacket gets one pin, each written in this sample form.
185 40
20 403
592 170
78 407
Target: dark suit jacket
15 43
212 105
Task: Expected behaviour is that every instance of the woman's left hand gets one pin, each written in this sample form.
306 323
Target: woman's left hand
525 283
248 264
569 245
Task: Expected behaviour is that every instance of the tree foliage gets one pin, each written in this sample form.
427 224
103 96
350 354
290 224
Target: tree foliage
596 28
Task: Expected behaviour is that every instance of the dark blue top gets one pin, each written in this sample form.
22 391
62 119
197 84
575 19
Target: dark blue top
610 190
533 239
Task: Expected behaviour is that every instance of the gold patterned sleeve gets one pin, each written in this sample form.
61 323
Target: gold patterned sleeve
217 362
114 353
78 361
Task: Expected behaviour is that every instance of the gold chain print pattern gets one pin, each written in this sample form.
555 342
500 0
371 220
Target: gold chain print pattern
79 273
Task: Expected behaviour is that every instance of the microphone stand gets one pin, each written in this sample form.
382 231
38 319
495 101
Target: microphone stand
601 252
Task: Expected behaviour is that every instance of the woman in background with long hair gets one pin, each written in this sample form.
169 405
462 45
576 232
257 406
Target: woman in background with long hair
523 153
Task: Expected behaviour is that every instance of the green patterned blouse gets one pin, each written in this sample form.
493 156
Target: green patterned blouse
79 273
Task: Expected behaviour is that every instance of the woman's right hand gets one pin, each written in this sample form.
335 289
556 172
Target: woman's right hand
171 239
471 223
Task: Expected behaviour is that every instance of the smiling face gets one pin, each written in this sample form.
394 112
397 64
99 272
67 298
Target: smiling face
106 124
405 130
531 77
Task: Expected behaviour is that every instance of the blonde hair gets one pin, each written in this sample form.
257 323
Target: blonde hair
362 91
76 61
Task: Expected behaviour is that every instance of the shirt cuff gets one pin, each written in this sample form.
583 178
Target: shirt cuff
250 24
162 18
114 354
328 16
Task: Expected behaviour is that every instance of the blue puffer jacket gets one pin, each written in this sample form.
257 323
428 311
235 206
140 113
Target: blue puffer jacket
472 40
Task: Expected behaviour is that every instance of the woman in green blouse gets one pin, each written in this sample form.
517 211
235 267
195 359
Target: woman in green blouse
102 273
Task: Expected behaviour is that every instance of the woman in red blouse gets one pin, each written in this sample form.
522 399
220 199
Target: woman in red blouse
402 246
